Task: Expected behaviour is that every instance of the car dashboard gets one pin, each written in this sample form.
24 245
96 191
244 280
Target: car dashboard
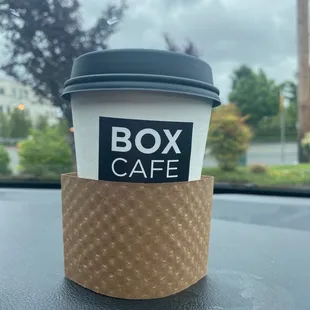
259 257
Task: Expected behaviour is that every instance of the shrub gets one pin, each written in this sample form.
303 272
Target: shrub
229 136
45 154
4 162
259 168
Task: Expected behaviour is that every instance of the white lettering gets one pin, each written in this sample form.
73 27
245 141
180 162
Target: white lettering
113 167
155 169
172 141
147 131
168 175
138 163
124 139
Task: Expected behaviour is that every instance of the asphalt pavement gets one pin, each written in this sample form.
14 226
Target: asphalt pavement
264 153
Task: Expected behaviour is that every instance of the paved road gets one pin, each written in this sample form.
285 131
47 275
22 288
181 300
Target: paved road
265 153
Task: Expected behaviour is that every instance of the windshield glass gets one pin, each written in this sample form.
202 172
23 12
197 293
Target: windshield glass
258 52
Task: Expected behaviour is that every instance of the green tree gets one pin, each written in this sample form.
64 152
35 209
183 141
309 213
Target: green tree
20 123
45 154
42 122
4 125
43 39
4 162
291 117
254 94
269 128
243 72
189 48
290 88
62 127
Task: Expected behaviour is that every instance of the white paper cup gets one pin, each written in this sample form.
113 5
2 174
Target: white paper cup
140 126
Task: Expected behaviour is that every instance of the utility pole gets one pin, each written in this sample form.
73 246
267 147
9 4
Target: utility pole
282 127
303 74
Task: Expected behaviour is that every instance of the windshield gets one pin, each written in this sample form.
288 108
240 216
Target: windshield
258 51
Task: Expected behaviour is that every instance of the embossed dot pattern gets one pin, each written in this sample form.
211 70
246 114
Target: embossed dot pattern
136 241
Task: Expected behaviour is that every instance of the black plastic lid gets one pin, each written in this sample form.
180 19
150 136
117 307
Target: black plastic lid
142 69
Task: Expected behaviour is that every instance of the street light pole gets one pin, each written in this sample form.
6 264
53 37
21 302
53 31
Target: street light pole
282 124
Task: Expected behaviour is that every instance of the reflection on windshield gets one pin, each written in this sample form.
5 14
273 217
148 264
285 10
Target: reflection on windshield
259 136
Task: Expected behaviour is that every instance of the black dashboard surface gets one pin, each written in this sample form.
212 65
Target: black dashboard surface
259 257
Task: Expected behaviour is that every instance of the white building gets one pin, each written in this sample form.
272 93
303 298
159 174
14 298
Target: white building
16 95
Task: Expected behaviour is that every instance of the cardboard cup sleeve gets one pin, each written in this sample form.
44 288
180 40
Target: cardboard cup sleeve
134 240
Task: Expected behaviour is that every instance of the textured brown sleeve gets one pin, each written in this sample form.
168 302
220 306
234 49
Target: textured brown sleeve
136 241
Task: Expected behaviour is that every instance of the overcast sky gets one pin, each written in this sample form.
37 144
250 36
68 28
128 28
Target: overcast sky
260 33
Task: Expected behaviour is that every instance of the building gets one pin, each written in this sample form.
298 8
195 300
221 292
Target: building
16 95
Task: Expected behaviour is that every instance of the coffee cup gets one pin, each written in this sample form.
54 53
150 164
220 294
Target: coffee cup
140 115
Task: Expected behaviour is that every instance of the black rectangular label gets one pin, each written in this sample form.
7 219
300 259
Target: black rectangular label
144 151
